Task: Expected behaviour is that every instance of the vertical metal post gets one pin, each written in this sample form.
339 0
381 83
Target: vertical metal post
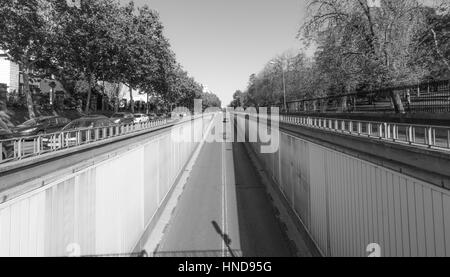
448 138
429 136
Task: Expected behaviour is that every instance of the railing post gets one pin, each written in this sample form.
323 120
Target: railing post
429 136
409 134
369 129
387 131
19 148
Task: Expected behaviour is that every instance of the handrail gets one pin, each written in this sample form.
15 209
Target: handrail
21 148
429 136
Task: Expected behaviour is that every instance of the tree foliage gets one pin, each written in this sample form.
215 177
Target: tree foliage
359 47
99 41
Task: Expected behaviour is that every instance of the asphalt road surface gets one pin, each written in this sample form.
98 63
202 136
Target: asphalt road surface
224 210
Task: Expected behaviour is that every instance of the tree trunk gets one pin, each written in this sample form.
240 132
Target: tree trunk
344 107
116 100
397 101
436 45
131 100
148 104
88 100
26 88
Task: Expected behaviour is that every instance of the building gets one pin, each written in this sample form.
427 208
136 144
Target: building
125 95
9 73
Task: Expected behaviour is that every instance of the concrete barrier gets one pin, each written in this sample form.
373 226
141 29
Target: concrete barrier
101 209
347 203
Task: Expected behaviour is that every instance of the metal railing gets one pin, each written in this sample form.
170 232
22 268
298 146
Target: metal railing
20 148
434 137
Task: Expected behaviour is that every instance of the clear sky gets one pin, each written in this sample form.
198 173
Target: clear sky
222 42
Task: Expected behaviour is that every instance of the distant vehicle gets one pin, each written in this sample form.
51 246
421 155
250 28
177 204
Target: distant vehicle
6 133
123 118
140 118
40 125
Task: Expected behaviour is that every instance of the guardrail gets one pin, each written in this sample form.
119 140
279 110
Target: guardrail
25 147
434 137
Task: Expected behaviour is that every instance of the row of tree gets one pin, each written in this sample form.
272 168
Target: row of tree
100 40
358 47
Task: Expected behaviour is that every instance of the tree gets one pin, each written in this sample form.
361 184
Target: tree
27 32
210 100
86 46
370 45
436 37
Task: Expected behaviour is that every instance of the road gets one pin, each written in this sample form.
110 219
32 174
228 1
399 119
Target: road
224 210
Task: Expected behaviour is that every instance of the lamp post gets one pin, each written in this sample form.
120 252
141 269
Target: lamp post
284 81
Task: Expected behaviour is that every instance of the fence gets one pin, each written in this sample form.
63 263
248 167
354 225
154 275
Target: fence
436 137
431 97
30 146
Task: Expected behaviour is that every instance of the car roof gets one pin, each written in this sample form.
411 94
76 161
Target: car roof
85 118
47 117
94 115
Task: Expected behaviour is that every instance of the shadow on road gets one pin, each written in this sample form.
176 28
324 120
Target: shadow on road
226 239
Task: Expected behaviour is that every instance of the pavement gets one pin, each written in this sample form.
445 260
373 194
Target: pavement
224 210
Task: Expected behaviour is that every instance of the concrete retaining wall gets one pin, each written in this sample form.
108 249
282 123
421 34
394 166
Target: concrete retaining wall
347 203
102 209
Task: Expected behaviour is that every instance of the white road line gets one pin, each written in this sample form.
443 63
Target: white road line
224 197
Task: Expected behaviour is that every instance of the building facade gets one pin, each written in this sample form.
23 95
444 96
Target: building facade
9 73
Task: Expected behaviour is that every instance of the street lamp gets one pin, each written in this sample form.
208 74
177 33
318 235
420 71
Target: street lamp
284 81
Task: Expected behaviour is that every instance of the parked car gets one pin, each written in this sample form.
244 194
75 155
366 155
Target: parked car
40 125
122 118
83 123
140 118
88 122
6 133
152 116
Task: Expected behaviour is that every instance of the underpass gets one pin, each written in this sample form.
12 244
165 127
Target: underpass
327 190
225 210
